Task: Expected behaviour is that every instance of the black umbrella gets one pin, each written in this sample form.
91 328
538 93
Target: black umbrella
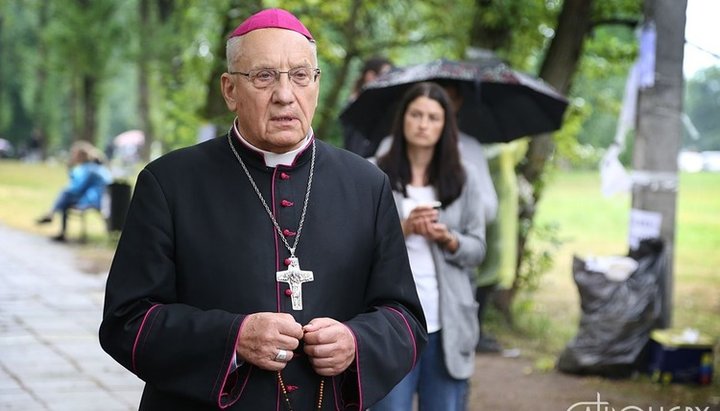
500 104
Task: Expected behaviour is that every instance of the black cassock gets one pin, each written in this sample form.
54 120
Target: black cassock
198 253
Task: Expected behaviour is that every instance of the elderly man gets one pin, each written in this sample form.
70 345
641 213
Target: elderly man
264 269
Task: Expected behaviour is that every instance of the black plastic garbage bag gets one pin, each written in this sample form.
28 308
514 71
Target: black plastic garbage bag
617 316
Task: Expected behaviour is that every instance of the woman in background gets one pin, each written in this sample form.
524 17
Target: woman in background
88 179
442 220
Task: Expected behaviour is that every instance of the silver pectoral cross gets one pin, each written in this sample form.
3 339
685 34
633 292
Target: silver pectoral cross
295 277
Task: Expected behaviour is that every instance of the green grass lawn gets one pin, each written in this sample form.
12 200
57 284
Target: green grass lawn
590 224
29 190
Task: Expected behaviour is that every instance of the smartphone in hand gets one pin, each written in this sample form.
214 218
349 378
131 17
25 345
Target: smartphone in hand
434 204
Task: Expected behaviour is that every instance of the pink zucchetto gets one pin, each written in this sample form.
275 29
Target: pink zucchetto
272 18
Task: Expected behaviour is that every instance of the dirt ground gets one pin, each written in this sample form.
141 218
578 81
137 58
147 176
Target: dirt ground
510 384
502 383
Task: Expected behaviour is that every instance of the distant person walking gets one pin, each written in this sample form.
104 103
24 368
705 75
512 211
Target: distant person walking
88 178
371 69
35 147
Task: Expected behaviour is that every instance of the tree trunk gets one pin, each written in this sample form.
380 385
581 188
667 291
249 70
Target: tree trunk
559 65
659 131
20 122
144 57
215 110
490 38
73 108
89 116
40 131
558 68
165 9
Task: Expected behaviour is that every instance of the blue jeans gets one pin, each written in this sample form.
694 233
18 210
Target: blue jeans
64 201
436 389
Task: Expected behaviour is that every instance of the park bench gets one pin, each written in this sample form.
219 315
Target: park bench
113 207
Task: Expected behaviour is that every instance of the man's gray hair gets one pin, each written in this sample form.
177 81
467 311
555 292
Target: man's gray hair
233 49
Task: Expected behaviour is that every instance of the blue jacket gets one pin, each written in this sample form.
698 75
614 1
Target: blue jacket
87 184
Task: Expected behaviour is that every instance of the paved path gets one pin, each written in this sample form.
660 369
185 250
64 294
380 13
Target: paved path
50 357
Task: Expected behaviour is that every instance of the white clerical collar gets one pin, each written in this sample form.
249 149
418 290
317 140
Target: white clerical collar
275 159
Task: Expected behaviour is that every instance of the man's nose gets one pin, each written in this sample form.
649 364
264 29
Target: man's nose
283 92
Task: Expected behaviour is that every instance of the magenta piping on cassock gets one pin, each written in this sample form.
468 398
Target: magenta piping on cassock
227 373
137 336
278 263
412 336
357 367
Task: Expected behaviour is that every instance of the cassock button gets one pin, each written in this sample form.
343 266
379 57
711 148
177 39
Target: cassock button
284 176
287 261
288 233
286 203
288 292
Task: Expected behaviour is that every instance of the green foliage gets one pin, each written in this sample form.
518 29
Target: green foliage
183 45
702 105
18 57
350 31
180 69
51 47
538 255
566 139
598 88
82 34
516 31
116 115
182 48
600 83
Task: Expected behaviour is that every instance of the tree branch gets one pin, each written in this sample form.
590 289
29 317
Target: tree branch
616 21
400 43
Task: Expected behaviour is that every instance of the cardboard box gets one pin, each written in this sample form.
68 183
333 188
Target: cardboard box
675 358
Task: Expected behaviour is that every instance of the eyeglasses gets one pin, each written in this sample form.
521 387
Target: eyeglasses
262 78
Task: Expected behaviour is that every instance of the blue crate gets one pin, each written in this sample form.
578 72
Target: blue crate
670 360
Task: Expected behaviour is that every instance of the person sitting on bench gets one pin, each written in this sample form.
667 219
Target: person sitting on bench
88 179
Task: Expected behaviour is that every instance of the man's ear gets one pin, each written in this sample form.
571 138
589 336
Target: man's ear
227 88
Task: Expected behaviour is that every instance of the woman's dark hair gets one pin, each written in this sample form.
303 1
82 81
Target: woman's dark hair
445 172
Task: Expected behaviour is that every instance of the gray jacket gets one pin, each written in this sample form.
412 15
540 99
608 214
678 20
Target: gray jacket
456 273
